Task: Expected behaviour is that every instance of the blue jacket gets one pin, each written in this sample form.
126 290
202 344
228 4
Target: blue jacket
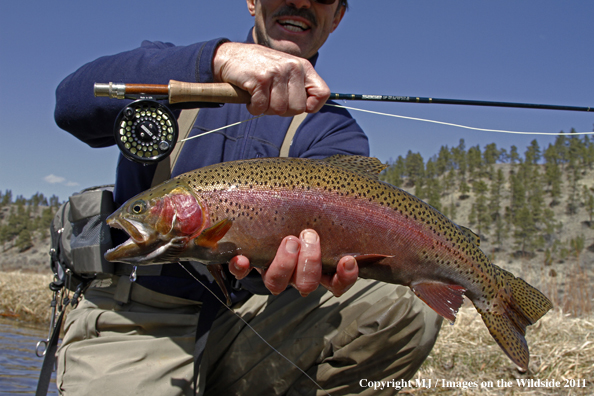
90 119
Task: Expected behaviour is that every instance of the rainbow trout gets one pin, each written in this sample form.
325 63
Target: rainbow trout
247 207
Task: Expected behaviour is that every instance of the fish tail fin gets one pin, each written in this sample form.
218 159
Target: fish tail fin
516 306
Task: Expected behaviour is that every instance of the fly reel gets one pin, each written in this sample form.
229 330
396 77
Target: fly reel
146 131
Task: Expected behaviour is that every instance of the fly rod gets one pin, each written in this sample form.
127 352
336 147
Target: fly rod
146 130
180 92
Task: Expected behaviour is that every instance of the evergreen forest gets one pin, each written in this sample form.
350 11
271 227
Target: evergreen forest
520 201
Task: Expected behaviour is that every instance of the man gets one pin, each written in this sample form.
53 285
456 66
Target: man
139 338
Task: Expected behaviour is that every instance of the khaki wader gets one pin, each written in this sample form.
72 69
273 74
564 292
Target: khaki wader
376 331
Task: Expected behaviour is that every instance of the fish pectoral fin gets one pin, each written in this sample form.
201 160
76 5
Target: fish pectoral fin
443 298
368 258
210 236
216 270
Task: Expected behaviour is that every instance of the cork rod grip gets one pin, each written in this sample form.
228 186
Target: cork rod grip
208 92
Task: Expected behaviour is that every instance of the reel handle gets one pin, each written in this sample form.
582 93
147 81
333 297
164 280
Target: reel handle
177 92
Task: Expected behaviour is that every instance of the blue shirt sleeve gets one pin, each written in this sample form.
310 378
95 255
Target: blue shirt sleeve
91 119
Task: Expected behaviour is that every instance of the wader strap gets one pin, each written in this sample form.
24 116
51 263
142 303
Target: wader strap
185 121
297 120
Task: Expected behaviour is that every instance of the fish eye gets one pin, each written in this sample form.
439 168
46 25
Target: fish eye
138 207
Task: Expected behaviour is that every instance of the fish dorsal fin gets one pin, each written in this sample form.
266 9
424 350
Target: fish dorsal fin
472 237
443 298
368 166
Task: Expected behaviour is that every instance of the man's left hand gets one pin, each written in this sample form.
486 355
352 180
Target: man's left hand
298 262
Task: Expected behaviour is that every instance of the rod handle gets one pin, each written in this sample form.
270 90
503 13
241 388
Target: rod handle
206 92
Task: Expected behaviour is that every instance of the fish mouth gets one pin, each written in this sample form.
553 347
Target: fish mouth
135 229
157 253
139 248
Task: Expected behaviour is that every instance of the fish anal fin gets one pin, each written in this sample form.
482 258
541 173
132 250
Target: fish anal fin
368 258
443 298
209 237
216 270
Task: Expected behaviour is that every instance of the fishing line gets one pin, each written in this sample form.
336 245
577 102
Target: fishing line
455 125
219 129
402 117
254 330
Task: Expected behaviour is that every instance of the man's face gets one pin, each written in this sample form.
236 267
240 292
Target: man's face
297 27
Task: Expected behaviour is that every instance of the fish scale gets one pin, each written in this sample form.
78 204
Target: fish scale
247 207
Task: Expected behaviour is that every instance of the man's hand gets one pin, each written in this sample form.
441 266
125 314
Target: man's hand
280 84
298 262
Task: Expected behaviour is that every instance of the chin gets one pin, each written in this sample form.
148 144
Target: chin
288 47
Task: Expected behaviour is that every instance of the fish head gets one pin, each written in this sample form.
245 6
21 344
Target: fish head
160 223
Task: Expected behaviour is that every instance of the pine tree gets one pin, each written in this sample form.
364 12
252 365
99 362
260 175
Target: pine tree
414 167
532 155
24 240
553 172
459 159
54 201
574 176
588 200
525 230
475 161
561 146
514 157
483 218
496 196
432 185
7 198
491 154
444 160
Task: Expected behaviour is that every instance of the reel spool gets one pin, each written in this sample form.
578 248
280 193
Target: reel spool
146 131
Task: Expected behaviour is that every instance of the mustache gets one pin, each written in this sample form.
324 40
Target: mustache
292 11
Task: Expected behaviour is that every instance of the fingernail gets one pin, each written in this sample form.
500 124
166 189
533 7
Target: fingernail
292 246
309 237
350 264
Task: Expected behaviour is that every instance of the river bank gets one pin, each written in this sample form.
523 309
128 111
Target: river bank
25 296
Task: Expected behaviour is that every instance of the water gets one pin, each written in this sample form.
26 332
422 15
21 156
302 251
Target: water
19 366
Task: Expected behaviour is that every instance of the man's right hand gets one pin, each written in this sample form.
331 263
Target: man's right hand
280 84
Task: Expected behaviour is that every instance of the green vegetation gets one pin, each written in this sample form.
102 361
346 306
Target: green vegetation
510 200
23 219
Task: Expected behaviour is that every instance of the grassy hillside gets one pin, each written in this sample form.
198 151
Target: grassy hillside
533 212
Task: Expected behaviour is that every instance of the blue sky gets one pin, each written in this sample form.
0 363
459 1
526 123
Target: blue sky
504 50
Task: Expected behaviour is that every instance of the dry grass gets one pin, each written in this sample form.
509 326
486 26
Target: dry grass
561 348
25 296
